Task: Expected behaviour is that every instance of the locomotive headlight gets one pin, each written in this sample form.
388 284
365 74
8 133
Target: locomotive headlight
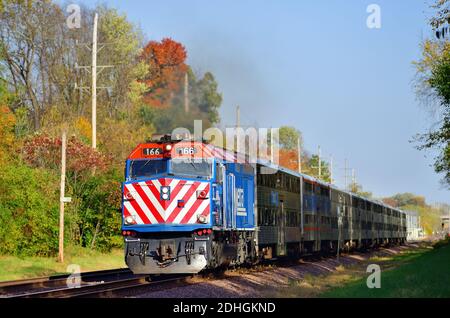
165 190
165 193
202 219
168 147
129 220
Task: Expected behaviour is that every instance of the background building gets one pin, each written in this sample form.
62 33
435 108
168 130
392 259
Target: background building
445 224
413 228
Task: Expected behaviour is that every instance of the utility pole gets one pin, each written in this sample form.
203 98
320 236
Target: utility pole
299 157
339 222
345 174
94 73
271 145
186 93
238 116
94 83
238 123
353 180
331 169
61 198
320 163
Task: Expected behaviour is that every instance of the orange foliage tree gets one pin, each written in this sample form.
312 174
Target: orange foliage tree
166 68
289 159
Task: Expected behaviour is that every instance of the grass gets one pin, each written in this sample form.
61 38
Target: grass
420 272
14 267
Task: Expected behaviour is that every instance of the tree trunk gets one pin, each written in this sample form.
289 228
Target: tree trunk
97 228
36 110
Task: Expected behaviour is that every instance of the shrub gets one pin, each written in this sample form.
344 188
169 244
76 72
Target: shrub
28 211
99 212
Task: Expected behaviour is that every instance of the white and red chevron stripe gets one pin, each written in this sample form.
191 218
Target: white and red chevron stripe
142 200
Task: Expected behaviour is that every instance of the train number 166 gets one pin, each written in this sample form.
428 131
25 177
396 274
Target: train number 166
186 150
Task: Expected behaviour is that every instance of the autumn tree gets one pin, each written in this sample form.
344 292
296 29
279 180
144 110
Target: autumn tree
402 199
288 142
288 159
42 151
46 65
166 68
164 89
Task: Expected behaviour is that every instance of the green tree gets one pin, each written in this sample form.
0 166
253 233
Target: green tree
432 83
28 210
99 212
289 137
312 168
124 42
207 98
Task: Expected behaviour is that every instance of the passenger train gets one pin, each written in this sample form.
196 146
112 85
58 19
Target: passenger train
189 206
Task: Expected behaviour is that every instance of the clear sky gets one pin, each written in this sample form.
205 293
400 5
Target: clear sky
317 66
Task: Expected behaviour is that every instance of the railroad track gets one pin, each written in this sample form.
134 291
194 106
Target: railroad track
106 283
91 284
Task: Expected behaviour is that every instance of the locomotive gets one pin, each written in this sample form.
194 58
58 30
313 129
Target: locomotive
188 206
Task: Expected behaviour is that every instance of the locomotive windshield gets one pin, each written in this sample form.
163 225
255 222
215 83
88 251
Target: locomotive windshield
183 167
147 168
194 168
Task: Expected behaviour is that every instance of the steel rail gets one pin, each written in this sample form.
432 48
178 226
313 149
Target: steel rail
58 286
